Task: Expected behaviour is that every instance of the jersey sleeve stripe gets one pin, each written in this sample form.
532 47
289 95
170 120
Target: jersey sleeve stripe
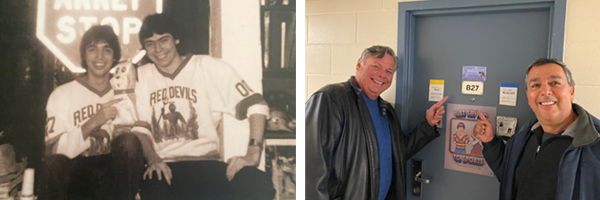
241 109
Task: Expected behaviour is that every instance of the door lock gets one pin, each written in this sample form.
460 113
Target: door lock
418 178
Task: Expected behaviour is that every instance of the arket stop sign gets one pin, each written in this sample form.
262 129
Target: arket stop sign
61 24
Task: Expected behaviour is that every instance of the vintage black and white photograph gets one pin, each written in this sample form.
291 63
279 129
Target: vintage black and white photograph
281 164
148 99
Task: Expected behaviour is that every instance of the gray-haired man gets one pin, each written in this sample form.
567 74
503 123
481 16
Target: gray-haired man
555 155
355 148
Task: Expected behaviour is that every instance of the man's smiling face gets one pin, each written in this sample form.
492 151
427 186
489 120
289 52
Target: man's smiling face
99 58
162 50
374 75
549 93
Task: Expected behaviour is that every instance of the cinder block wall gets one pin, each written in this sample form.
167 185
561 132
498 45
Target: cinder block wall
582 51
338 30
336 33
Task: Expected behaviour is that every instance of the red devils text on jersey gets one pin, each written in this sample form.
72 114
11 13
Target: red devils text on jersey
186 107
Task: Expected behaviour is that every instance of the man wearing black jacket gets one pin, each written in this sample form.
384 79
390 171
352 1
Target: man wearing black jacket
355 148
556 154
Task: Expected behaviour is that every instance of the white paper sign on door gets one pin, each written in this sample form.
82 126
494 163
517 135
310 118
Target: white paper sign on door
436 90
508 94
472 87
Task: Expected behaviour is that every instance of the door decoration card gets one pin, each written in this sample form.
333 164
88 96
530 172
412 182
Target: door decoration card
508 94
463 150
474 73
436 90
505 126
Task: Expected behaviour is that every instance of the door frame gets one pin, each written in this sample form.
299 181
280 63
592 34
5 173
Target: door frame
409 11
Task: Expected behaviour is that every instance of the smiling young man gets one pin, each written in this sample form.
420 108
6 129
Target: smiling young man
355 148
184 97
556 155
84 161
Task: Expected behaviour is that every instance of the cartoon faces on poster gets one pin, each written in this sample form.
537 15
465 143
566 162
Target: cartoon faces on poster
463 141
464 150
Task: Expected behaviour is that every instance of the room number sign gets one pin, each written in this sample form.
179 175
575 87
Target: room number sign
472 87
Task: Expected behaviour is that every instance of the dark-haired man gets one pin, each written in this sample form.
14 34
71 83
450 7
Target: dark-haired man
84 161
555 155
203 89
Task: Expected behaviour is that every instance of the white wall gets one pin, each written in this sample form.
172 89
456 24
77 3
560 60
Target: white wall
240 28
241 48
582 51
338 30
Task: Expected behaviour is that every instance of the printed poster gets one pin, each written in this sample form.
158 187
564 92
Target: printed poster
463 150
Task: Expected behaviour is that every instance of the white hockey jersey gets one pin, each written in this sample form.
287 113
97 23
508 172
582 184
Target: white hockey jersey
186 107
69 107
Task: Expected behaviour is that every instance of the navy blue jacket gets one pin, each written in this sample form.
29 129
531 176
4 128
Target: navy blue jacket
579 169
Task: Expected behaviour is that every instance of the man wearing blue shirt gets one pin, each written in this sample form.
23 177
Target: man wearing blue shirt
355 148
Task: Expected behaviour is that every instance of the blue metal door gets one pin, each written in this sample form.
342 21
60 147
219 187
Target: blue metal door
436 39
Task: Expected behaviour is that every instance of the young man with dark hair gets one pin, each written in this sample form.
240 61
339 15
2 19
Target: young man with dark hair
83 160
202 89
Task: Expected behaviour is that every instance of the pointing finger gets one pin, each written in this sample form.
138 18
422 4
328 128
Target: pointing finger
442 101
480 115
112 102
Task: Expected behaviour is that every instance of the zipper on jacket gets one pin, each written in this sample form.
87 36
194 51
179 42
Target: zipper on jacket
539 147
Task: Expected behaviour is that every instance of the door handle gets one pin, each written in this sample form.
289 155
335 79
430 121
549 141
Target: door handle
418 178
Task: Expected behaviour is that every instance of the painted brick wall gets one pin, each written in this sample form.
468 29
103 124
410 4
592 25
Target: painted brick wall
582 51
337 31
